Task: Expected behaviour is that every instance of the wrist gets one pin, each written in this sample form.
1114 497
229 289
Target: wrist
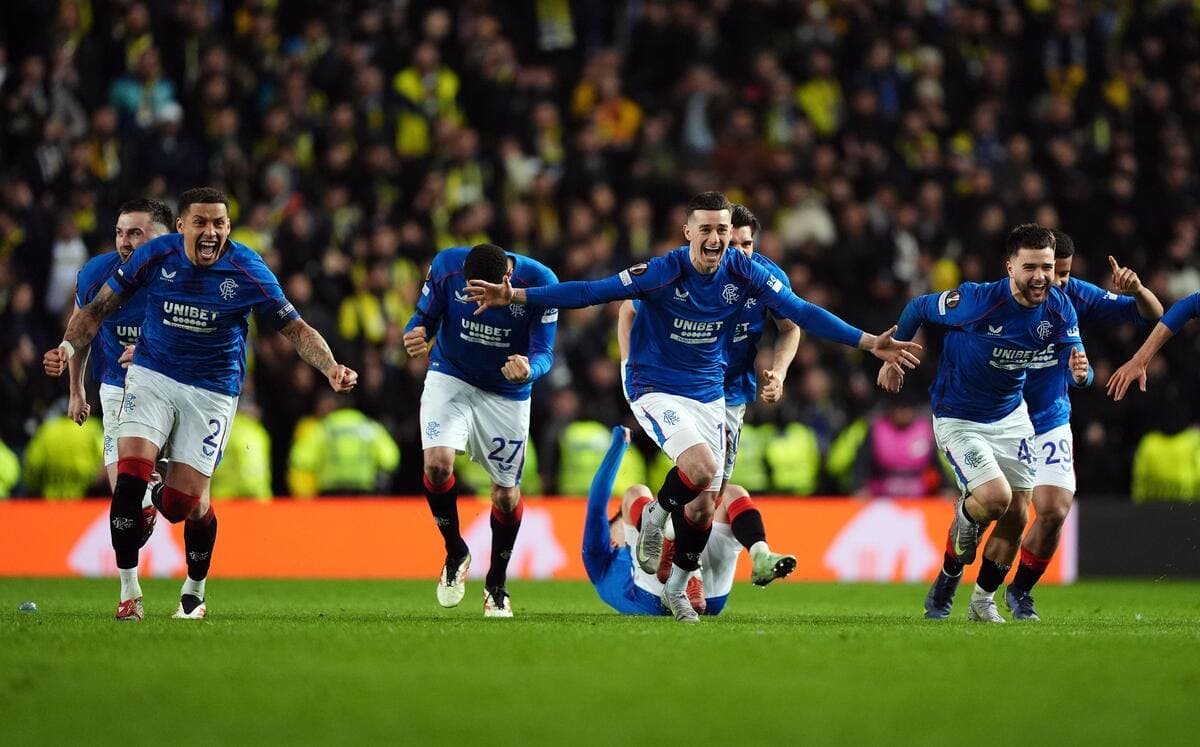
67 348
867 341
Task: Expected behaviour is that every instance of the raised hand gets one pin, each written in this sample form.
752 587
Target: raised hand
489 295
1125 280
1118 383
414 342
1079 366
887 349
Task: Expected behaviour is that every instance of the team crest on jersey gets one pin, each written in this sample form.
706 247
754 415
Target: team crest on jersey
228 289
433 429
730 293
516 310
751 303
1044 330
973 459
128 405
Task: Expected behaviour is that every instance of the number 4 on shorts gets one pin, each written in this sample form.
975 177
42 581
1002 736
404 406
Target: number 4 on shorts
1023 454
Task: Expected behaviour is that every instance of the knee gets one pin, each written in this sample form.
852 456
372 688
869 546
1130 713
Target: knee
700 468
505 499
438 469
1053 514
733 492
994 500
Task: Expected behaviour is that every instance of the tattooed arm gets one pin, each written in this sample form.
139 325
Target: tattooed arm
81 329
315 351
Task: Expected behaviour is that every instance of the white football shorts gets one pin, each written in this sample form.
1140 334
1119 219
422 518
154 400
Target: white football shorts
1054 452
734 415
193 421
980 452
677 423
490 428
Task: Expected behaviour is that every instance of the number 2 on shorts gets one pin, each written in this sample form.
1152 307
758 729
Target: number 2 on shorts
210 441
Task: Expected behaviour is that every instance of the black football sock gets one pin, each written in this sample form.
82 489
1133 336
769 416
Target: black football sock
443 503
748 528
951 566
199 537
125 519
676 492
504 536
1029 571
991 575
690 539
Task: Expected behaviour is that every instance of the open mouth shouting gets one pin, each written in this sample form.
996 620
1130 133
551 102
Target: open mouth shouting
712 252
207 250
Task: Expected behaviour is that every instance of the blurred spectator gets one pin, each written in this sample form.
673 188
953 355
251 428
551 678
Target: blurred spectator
343 452
64 460
245 467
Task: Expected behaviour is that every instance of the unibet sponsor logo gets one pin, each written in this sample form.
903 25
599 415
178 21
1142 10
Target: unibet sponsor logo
1011 360
485 334
128 334
696 333
186 316
1047 358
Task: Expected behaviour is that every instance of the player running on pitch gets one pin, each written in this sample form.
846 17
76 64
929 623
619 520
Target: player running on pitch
608 545
476 399
1047 387
675 374
741 380
186 375
138 221
994 331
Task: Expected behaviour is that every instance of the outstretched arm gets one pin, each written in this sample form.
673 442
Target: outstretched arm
595 524
1135 368
575 294
1127 283
81 329
315 351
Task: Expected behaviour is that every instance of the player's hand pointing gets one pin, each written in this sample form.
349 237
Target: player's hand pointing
891 378
516 369
1125 280
1079 366
890 350
414 342
488 295
342 378
1118 383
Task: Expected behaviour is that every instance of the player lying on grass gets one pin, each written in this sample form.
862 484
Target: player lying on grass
622 585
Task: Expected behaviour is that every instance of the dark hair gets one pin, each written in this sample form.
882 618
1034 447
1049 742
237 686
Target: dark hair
158 212
1028 236
201 196
1064 246
743 217
708 201
486 262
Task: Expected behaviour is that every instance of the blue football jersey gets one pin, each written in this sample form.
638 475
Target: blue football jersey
120 328
475 348
990 342
1049 380
679 343
741 380
1181 312
195 326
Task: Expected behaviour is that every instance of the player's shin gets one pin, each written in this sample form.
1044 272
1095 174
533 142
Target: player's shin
690 539
505 527
1029 570
125 515
676 492
199 537
443 504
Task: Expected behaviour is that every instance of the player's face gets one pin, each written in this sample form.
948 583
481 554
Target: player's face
707 232
133 230
205 227
742 240
1031 272
1062 271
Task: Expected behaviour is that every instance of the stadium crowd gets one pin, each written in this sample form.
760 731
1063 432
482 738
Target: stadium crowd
887 148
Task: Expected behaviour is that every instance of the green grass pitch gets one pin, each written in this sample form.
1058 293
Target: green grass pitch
302 662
